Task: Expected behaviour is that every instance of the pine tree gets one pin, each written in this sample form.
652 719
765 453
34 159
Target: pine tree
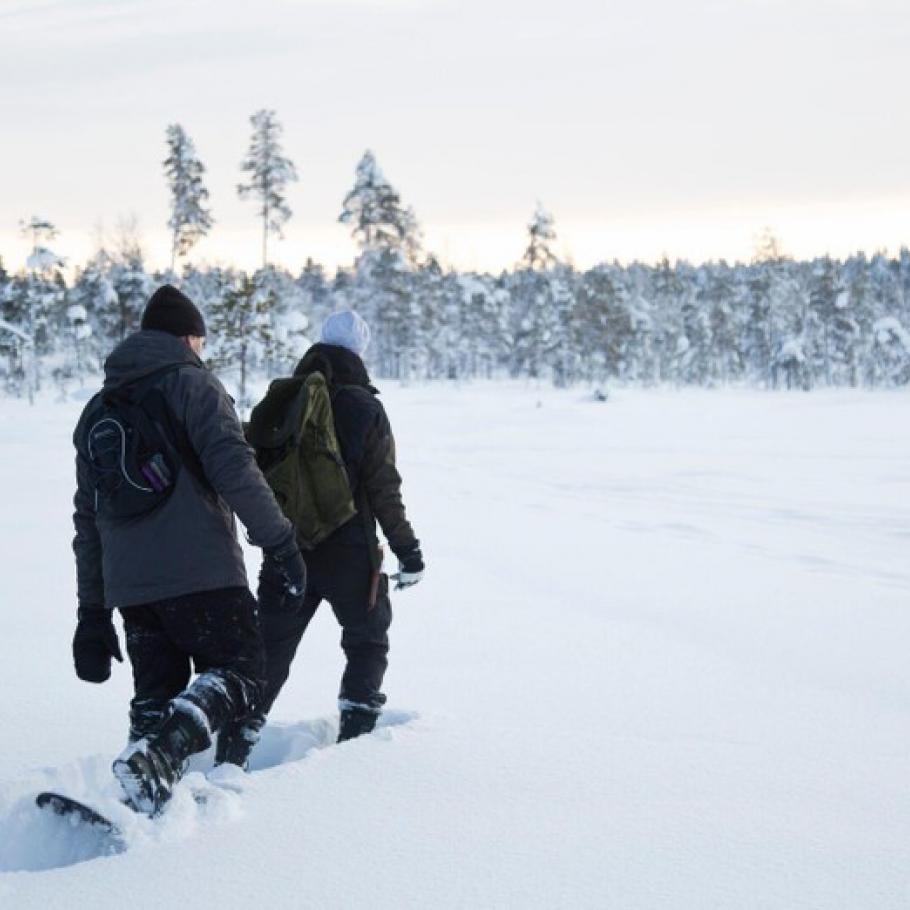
484 307
884 295
891 350
603 334
270 172
826 299
315 290
536 328
42 294
718 294
132 286
666 297
385 287
379 222
541 233
239 324
283 333
190 218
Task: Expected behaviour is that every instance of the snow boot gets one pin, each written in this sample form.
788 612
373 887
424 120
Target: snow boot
355 721
235 743
149 773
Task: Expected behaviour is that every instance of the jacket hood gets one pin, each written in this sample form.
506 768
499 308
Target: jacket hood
143 351
339 365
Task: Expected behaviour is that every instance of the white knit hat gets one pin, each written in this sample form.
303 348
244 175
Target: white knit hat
347 330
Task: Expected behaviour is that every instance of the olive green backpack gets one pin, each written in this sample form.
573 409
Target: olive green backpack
293 433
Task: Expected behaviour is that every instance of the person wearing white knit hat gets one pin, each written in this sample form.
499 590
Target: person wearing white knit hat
344 568
346 329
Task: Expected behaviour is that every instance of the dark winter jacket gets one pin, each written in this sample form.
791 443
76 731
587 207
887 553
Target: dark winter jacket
368 448
189 542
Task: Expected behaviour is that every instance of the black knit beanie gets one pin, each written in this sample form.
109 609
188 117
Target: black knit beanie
170 311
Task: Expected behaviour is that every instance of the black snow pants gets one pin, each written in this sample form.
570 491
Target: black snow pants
341 573
214 632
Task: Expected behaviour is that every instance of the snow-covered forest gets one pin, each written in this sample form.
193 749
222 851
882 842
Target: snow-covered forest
772 322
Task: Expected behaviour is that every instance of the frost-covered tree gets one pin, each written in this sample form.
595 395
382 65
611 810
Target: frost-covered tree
384 289
239 325
541 234
316 294
257 324
828 324
269 173
885 302
666 296
374 212
695 342
717 291
191 218
384 285
94 296
41 294
541 316
773 321
603 325
284 338
132 287
891 352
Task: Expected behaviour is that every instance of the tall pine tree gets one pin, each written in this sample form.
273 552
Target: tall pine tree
373 210
190 218
269 172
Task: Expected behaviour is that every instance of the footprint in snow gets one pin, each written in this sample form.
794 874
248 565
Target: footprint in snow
35 840
283 743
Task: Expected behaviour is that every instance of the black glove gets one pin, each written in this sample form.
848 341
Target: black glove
285 566
273 593
411 560
410 568
94 644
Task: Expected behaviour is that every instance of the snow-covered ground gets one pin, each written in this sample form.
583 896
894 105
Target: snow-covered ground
659 660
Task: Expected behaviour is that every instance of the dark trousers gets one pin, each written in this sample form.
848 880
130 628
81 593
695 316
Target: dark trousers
214 632
342 574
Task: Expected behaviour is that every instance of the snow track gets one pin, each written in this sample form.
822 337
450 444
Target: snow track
33 840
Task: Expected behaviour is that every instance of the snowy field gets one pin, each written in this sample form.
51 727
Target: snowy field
661 659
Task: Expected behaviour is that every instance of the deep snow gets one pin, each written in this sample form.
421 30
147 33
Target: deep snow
658 661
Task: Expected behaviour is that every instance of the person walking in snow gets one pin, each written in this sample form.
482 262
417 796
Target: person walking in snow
162 467
345 567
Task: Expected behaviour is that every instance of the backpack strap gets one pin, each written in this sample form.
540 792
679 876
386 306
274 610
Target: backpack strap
155 405
149 409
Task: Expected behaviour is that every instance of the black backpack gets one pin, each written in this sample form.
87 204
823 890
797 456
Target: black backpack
133 464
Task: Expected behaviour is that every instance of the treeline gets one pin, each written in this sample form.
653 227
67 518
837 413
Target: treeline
774 322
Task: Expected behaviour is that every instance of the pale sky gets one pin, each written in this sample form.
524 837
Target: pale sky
654 127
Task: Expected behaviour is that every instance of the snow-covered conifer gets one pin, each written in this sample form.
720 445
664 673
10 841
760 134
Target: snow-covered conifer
41 294
541 234
269 173
191 218
374 211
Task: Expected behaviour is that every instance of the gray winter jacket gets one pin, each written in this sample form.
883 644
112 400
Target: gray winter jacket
189 542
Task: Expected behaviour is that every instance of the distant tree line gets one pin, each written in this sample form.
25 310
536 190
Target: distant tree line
774 322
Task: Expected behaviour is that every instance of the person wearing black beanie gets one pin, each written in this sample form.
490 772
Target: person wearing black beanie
171 311
162 469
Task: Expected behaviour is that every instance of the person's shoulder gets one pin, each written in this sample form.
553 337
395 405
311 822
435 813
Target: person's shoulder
196 377
192 387
358 399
